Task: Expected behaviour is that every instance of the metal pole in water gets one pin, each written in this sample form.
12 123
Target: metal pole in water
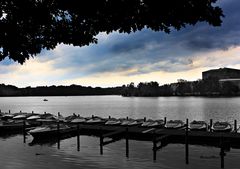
101 142
186 143
154 147
78 138
127 143
235 126
222 153
24 131
211 123
58 130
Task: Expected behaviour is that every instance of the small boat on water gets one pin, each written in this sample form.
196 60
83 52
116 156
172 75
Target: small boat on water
222 127
45 100
7 116
43 132
78 120
71 117
131 122
12 126
153 123
198 126
174 124
95 120
34 117
21 116
113 121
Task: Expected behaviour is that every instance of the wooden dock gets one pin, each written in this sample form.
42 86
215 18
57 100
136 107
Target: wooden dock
160 137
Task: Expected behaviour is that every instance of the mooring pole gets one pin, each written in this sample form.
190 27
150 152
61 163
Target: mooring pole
24 131
154 147
9 111
78 138
101 142
186 143
58 130
222 153
165 120
235 126
127 143
32 112
144 119
211 123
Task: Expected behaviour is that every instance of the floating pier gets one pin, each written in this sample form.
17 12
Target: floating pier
159 136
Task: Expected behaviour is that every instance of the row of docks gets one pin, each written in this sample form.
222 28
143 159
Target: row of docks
161 134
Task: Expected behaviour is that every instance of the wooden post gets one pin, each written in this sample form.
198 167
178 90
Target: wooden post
9 111
45 112
127 143
154 147
92 116
127 117
78 138
0 111
165 120
211 123
58 130
222 153
32 112
186 143
24 131
101 142
222 157
20 111
109 117
235 126
144 119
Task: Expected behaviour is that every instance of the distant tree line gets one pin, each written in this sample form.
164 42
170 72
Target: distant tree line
210 87
73 90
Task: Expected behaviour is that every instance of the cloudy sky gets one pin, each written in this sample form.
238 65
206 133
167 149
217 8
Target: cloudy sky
143 56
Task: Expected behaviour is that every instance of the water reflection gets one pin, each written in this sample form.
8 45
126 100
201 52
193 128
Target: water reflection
15 154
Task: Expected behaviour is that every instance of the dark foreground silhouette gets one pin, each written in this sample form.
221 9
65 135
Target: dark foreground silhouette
28 26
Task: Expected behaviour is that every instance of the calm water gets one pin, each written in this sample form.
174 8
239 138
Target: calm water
15 154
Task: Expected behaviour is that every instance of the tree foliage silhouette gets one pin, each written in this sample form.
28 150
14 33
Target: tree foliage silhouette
28 26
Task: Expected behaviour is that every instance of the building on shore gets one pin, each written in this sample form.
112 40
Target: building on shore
228 79
222 73
235 82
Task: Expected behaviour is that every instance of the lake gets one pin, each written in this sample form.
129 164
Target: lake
18 155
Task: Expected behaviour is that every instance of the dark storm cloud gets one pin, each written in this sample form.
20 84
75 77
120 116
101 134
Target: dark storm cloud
149 51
